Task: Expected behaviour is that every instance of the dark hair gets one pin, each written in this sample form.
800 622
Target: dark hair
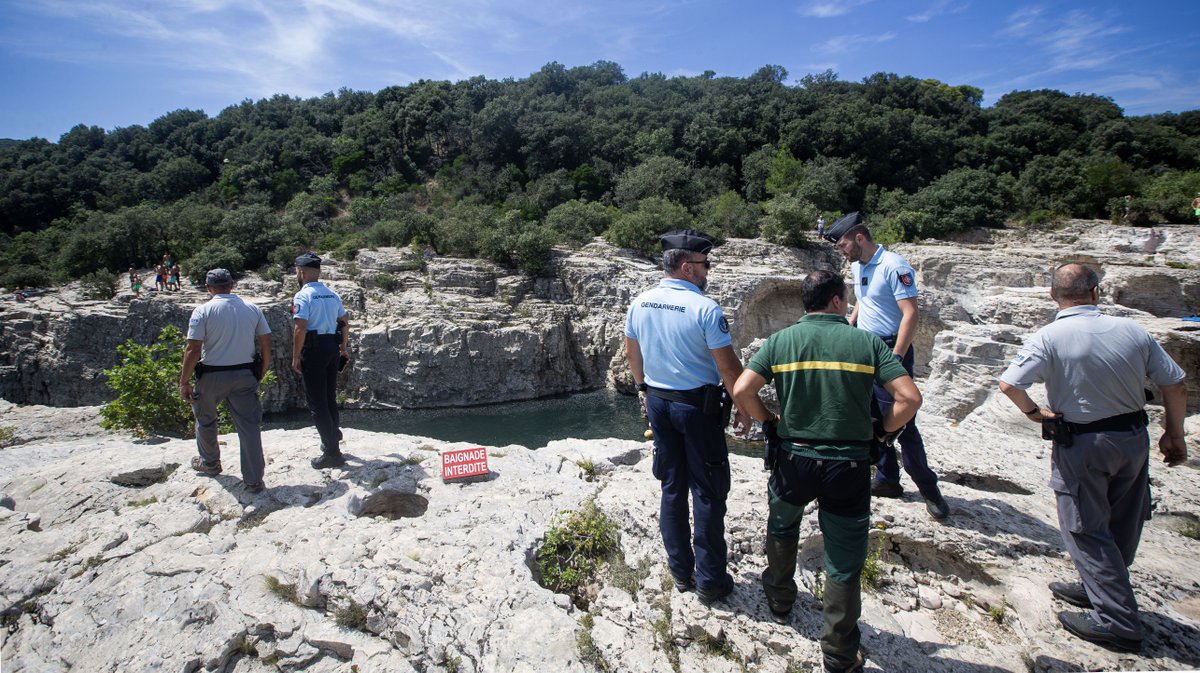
819 288
1073 282
859 229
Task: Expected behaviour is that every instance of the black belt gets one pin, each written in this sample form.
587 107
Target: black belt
202 369
313 337
694 397
832 442
1134 420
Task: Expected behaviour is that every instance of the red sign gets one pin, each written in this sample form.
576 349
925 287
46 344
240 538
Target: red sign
464 463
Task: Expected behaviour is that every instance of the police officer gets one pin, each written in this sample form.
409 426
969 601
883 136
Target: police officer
824 371
679 350
1095 367
220 350
885 288
320 333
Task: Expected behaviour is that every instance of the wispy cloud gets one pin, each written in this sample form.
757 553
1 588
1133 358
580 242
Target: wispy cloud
938 8
841 44
1076 41
831 8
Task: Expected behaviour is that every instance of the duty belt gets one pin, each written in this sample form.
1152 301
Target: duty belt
826 442
694 397
1134 420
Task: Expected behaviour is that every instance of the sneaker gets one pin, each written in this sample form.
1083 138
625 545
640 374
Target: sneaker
854 667
937 507
1071 592
886 489
328 460
1083 625
206 468
684 585
714 594
254 488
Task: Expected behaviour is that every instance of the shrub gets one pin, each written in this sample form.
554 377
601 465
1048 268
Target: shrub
789 220
576 222
99 285
215 255
640 228
731 216
147 387
386 282
575 545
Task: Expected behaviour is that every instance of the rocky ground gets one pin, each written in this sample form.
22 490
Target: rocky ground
115 556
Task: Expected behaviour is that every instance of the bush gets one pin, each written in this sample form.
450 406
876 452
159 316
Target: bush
24 275
789 220
575 545
386 282
577 222
639 229
961 199
215 255
730 215
99 285
147 387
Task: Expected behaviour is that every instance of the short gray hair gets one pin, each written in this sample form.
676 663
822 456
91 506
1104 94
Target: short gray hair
1073 282
674 258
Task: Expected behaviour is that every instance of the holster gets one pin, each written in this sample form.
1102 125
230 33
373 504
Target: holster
1056 430
772 445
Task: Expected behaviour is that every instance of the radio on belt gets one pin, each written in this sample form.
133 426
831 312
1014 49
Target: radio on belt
464 464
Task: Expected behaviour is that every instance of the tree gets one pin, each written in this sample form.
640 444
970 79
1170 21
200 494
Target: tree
788 220
577 222
640 228
731 216
146 383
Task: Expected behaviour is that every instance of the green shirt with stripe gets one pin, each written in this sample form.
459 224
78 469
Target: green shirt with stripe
823 370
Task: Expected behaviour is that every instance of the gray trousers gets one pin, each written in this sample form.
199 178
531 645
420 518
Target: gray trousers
239 389
1102 486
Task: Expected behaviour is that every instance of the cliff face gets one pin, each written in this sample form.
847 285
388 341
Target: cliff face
444 332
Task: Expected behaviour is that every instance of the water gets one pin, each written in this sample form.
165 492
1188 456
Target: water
531 424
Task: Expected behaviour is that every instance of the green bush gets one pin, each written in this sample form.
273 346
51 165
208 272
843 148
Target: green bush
575 546
730 215
215 255
386 282
147 387
99 285
639 229
789 220
577 222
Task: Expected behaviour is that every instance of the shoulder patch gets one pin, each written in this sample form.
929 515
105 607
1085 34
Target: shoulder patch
1020 358
724 325
905 278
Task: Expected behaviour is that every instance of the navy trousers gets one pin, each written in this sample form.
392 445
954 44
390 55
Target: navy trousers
912 447
318 366
690 455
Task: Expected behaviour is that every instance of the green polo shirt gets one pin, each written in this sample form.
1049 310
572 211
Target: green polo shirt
823 370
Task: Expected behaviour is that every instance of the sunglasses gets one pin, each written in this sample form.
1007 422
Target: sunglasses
706 263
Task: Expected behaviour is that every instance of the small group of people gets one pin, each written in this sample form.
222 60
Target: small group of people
166 276
844 381
223 336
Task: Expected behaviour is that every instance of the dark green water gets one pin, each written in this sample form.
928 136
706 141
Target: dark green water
531 424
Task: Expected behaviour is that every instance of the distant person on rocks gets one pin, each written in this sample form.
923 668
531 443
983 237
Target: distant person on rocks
320 333
679 350
885 288
821 226
160 278
1196 207
824 372
220 349
135 282
1095 367
173 279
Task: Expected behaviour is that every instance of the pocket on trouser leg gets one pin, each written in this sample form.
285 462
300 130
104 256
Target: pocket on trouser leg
718 478
1066 496
656 468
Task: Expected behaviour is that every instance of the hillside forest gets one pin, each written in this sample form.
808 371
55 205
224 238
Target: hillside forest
508 169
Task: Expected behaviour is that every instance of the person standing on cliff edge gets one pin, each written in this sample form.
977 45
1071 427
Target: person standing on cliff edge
1095 367
320 334
220 350
885 289
679 350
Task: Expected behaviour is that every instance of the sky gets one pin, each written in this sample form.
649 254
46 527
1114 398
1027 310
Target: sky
119 63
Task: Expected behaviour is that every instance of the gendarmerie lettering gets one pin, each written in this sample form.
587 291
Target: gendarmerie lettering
667 307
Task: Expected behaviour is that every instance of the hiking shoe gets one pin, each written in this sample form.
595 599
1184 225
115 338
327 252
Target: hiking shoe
886 489
206 468
1083 625
714 594
937 507
254 488
684 585
854 667
781 616
328 460
1071 592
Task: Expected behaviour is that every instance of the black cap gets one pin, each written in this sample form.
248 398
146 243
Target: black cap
841 225
309 260
218 277
687 239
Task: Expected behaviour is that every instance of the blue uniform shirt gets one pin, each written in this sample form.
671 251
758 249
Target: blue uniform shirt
320 306
878 284
676 326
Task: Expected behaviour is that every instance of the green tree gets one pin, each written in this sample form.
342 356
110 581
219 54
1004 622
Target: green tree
147 386
788 220
577 222
731 216
640 228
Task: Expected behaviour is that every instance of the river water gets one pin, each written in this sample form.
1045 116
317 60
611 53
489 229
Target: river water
532 424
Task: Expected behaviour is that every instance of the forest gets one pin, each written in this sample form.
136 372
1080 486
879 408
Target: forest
508 169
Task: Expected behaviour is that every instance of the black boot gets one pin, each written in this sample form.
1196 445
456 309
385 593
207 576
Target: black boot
779 579
841 636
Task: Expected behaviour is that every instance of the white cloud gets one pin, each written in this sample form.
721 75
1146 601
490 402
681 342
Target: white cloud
841 44
938 8
831 8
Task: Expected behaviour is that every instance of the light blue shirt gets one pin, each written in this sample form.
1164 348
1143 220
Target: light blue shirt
878 284
1094 365
320 306
676 326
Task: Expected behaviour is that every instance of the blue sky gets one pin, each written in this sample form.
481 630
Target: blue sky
115 63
